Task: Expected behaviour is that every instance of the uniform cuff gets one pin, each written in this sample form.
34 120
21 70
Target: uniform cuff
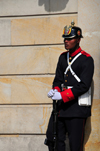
57 88
67 95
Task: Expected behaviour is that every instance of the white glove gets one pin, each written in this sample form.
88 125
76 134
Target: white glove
56 96
51 93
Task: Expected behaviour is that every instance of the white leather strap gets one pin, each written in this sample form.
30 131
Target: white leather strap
69 66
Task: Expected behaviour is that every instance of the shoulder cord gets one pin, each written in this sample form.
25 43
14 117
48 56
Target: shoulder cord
69 66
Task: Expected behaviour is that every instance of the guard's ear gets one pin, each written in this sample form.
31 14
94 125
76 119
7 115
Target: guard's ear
78 40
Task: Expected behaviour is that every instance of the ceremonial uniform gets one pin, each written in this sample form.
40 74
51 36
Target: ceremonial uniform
84 68
71 116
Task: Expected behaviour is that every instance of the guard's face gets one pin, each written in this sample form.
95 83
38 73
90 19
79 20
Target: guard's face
71 43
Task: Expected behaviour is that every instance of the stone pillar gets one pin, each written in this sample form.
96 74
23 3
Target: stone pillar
89 21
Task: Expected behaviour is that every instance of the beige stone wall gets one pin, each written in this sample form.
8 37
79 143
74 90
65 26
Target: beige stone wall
89 20
30 44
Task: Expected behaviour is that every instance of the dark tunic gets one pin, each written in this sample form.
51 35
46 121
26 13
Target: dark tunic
84 69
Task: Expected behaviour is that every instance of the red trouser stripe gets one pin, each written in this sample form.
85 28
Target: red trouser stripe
82 135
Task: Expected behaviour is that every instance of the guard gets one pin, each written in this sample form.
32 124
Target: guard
72 90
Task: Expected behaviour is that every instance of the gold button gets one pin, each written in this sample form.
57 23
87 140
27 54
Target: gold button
69 62
70 58
66 75
65 80
67 93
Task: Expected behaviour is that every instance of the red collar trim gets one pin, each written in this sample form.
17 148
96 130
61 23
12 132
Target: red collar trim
76 52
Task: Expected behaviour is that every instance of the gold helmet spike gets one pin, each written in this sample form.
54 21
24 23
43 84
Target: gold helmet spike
72 23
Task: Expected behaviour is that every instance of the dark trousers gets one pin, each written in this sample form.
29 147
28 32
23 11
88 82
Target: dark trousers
75 129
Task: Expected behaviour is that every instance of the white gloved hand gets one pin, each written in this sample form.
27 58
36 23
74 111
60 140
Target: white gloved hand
56 96
51 93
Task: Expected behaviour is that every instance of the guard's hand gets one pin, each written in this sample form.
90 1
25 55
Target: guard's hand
51 93
56 96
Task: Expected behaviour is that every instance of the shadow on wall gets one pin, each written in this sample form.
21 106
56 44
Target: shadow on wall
88 127
53 5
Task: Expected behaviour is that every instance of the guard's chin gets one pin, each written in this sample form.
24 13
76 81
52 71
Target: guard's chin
66 48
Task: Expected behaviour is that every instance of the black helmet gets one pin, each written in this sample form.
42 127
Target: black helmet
72 31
